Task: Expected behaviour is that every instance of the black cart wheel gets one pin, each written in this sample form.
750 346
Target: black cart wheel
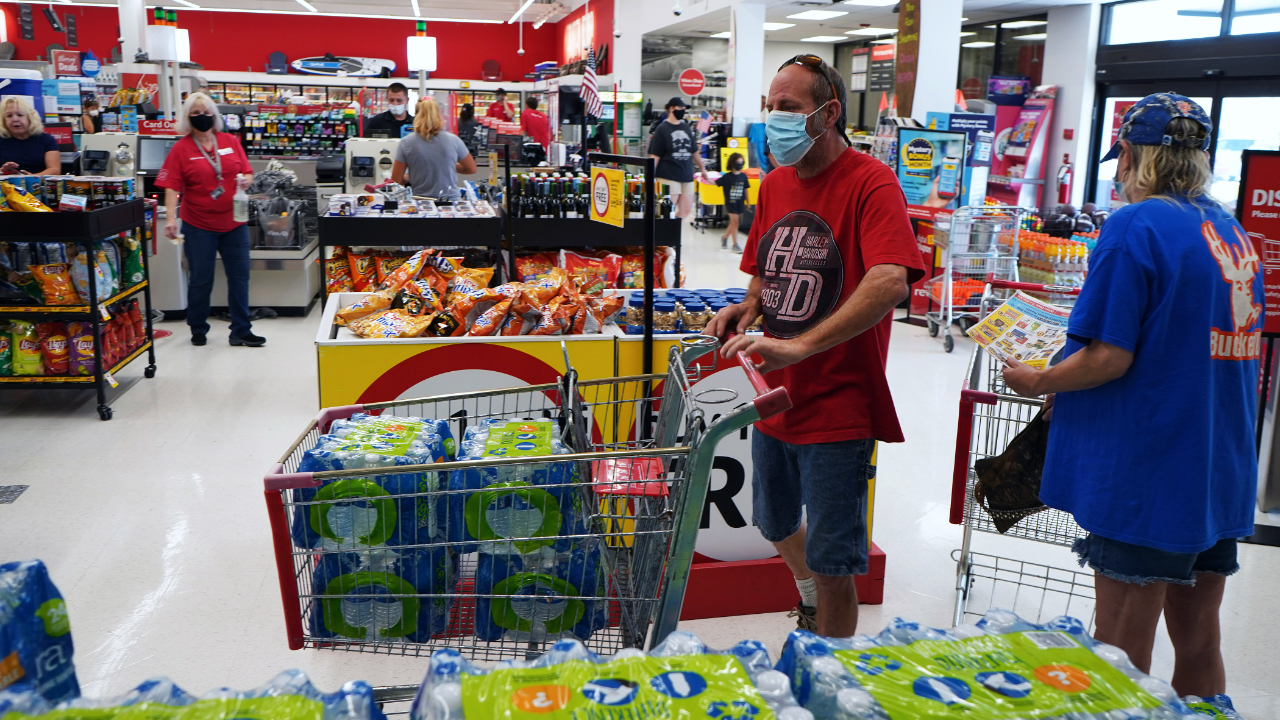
948 343
150 372
933 328
966 323
104 412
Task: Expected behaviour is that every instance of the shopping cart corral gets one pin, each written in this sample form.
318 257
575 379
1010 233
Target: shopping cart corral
979 242
990 417
595 543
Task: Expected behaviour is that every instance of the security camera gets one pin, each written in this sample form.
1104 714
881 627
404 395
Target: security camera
520 51
677 10
617 33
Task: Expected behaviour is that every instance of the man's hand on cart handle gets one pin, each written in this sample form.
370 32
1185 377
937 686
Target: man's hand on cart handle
733 319
777 353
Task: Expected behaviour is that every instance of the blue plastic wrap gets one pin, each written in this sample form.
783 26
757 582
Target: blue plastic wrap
372 576
35 634
537 583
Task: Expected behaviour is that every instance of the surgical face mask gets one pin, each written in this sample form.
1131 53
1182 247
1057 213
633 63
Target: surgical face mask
93 113
399 109
203 123
788 135
679 114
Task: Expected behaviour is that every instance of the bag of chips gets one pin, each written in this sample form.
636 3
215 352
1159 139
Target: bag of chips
80 348
6 352
109 254
369 304
531 268
133 272
404 272
490 321
446 266
26 348
557 317
20 200
420 298
592 274
363 272
385 265
53 347
390 324
337 275
135 317
124 330
55 284
548 286
468 280
80 277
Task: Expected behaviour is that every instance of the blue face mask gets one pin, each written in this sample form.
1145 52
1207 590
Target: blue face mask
789 139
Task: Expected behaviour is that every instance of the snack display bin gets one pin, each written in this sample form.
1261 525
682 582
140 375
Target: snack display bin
354 370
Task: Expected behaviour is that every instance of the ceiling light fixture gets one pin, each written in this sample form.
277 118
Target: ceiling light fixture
889 41
725 34
871 3
416 11
978 44
817 15
1032 36
519 12
872 31
1023 24
968 34
823 38
778 26
964 19
307 5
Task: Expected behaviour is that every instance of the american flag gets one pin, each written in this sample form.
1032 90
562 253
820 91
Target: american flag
704 122
589 93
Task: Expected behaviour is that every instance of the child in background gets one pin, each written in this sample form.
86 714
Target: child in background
735 185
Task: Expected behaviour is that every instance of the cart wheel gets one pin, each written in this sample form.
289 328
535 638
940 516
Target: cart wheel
966 323
948 343
150 372
104 412
933 328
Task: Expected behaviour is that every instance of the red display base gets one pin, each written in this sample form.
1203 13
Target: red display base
750 587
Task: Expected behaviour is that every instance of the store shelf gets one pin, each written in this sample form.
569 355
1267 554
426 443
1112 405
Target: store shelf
580 232
74 379
67 312
398 231
72 227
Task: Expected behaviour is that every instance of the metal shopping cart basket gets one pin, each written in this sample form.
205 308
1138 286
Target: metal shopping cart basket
990 417
594 544
980 241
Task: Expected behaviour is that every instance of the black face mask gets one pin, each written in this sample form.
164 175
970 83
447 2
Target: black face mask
679 114
736 165
203 123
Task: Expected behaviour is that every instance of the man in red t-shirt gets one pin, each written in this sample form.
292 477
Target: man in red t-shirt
832 252
534 123
501 109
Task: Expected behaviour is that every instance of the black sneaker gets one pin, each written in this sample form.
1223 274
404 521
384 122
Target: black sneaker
198 339
249 340
806 617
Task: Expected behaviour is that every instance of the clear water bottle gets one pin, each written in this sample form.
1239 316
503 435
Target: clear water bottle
240 202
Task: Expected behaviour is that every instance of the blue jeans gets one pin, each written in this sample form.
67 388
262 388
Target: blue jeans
1140 565
829 480
202 247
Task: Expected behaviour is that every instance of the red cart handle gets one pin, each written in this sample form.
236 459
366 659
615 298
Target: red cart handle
1031 287
769 401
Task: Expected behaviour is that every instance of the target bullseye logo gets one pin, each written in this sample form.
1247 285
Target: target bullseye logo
600 195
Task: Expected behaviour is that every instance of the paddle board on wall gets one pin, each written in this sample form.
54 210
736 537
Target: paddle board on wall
340 66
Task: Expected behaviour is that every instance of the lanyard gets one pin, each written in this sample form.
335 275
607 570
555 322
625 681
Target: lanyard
216 160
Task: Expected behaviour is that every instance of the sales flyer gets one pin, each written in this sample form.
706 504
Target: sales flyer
1026 329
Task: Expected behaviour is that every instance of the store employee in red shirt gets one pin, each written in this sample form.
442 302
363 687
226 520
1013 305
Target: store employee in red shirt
205 167
832 252
534 123
501 109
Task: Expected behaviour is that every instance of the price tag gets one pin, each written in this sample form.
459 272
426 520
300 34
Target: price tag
102 310
106 375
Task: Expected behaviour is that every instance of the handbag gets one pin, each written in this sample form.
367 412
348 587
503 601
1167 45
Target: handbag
1008 486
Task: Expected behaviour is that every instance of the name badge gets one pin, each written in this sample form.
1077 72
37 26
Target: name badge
224 151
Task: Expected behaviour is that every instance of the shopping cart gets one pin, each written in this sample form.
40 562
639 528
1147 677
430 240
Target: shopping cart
990 417
635 479
980 241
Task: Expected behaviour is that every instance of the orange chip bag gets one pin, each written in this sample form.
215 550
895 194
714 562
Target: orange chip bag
55 282
557 316
631 272
531 268
404 272
434 280
337 275
446 266
420 298
594 274
53 345
363 271
548 286
371 303
385 265
467 280
490 321
390 324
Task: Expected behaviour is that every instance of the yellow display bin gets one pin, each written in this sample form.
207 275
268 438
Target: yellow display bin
714 194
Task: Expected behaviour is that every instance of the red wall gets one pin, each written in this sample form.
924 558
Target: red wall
242 41
603 12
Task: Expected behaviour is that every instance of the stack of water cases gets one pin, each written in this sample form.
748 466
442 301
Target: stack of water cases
537 573
680 678
379 539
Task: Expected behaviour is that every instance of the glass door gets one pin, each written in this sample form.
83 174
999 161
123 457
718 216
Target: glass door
1112 116
1245 123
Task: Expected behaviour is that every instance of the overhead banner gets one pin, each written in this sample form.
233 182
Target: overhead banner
26 22
607 195
1258 210
70 25
880 77
904 84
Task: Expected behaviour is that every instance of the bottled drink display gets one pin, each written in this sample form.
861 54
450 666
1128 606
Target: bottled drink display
568 196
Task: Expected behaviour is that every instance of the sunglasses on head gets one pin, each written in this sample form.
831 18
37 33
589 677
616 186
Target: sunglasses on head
818 65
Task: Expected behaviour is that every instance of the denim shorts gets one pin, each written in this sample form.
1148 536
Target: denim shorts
1141 565
830 480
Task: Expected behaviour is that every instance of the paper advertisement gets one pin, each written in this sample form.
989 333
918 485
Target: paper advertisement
1028 330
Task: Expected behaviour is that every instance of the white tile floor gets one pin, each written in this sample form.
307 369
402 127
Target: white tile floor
154 530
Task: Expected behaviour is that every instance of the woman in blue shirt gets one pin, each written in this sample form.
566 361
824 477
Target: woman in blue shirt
1151 444
25 149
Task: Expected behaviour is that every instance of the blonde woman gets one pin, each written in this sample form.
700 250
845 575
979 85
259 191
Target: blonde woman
430 156
203 168
1151 444
25 148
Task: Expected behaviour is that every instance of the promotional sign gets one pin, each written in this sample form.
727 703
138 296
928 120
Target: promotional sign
129 118
607 195
1034 115
981 131
1258 210
904 83
62 97
692 81
929 166
90 66
70 24
881 76
1018 153
734 145
1005 90
26 21
157 127
66 62
1117 119
62 132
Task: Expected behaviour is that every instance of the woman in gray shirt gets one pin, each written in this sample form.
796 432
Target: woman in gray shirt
431 157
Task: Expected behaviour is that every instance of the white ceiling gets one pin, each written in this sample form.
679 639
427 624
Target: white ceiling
491 10
858 16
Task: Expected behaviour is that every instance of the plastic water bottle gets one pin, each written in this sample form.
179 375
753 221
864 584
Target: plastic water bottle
240 202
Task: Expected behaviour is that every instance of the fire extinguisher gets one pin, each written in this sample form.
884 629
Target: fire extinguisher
1064 181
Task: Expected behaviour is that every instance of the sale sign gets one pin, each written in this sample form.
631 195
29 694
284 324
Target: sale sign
1258 210
607 195
66 62
692 81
